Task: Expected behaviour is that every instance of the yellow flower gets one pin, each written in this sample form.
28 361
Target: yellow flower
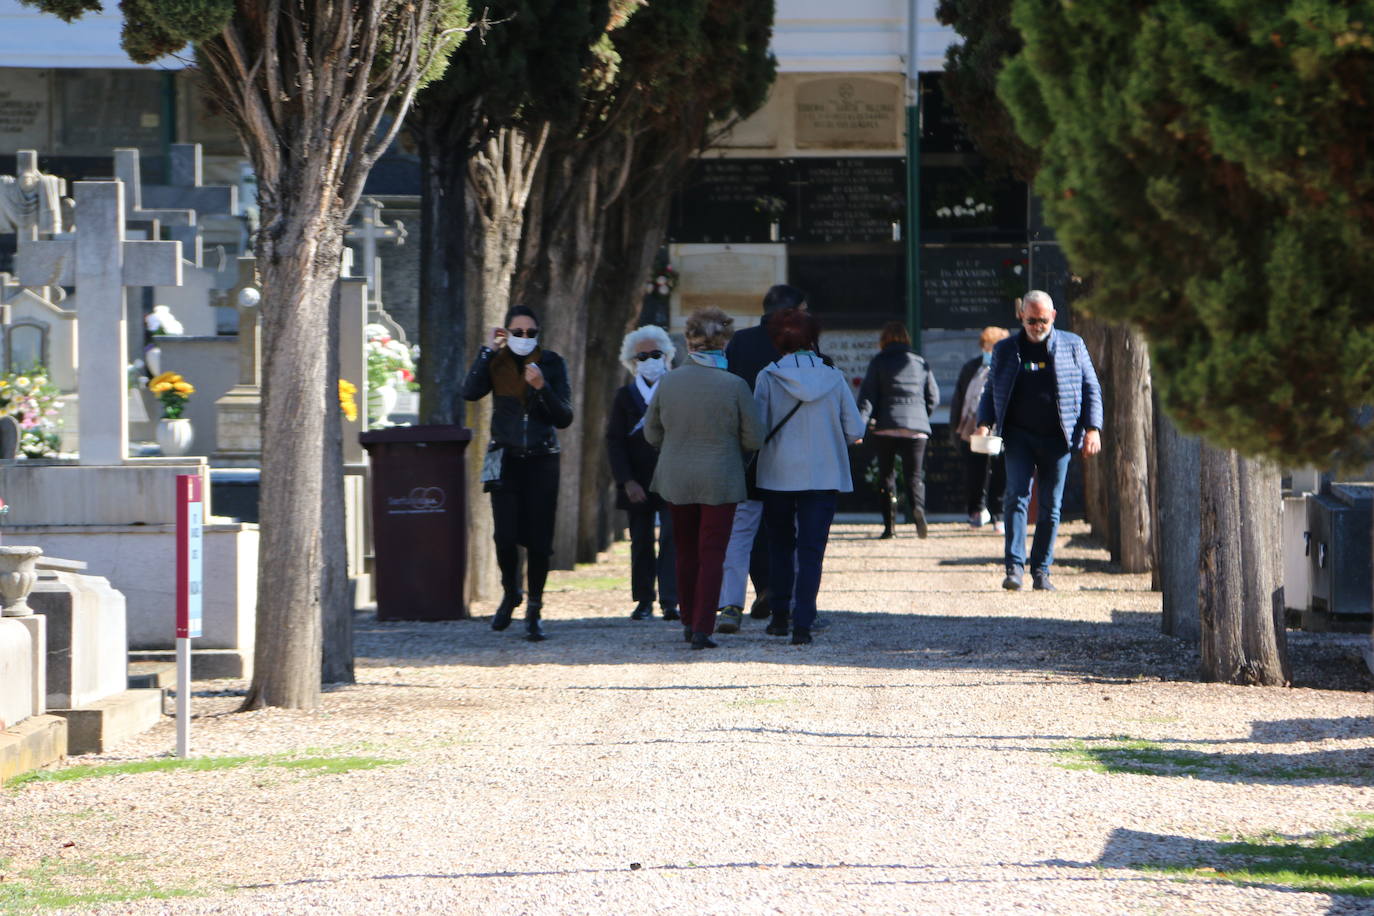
22 381
160 387
184 388
346 402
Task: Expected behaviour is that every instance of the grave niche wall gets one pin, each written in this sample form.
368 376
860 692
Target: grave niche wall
103 109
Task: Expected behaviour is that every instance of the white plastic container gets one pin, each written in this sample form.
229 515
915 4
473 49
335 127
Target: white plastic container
985 445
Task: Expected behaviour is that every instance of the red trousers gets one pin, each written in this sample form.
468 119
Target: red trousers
702 534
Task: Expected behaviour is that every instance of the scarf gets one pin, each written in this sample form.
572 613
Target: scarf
647 392
711 359
508 374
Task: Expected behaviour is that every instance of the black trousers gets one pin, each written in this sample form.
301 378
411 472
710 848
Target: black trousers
985 481
523 510
913 455
645 564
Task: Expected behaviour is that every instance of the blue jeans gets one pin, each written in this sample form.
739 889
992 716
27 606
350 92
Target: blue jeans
1028 454
798 529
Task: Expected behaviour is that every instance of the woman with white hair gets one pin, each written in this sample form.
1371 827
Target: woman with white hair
647 353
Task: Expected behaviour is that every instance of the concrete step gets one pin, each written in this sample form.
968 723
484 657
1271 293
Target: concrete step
146 675
94 729
33 743
206 664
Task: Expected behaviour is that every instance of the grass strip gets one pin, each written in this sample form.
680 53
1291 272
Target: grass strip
317 765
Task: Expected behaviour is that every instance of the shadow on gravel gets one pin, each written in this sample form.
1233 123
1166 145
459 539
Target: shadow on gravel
1127 649
1338 862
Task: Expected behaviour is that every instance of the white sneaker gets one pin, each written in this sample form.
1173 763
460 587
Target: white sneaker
999 527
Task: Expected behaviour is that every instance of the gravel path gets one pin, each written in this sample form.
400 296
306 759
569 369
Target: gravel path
920 757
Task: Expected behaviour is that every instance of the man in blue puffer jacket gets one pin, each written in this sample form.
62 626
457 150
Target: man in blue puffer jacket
1043 396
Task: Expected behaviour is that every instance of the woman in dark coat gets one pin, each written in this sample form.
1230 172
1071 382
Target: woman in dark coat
648 353
985 476
530 400
896 399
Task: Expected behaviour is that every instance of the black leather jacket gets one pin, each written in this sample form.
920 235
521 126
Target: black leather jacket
527 429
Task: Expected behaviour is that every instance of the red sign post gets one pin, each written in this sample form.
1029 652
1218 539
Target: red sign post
190 554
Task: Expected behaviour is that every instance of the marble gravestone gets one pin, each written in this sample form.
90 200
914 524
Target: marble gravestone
181 208
101 264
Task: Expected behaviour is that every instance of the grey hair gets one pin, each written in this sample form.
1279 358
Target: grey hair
709 328
651 333
1040 296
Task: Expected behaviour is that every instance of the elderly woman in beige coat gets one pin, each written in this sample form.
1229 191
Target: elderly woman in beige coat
703 421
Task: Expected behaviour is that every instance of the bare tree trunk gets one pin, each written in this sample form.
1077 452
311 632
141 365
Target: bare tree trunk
1240 571
299 267
558 264
337 661
1099 474
1130 438
443 289
1180 489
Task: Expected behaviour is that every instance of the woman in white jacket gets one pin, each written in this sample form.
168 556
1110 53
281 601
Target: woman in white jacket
810 414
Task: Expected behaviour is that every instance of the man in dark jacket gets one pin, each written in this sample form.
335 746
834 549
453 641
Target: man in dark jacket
1043 395
747 353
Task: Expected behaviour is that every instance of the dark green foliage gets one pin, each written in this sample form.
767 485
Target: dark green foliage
987 40
66 10
1208 164
528 65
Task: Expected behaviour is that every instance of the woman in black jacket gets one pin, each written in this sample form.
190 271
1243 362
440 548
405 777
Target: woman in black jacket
648 353
985 476
530 399
897 398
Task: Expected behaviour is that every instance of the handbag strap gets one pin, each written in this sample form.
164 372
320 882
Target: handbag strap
774 431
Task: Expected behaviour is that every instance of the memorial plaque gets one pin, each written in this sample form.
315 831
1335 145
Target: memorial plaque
854 287
848 113
847 200
970 286
102 109
25 112
941 129
731 279
731 200
851 351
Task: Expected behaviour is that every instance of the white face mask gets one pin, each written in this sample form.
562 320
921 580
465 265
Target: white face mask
651 370
522 346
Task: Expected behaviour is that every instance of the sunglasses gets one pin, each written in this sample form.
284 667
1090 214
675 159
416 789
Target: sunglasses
1035 322
522 332
652 354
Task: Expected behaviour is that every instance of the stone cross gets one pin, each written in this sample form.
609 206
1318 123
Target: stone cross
370 230
180 223
100 264
186 191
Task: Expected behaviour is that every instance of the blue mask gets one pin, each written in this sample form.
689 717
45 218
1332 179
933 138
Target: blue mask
987 357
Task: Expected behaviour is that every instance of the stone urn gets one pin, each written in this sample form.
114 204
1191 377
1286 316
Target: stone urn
18 573
174 437
381 401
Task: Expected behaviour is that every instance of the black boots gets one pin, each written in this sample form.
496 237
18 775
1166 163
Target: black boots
501 619
533 631
889 508
702 641
643 611
780 625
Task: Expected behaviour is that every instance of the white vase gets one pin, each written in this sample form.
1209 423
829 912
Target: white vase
174 437
381 401
17 578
